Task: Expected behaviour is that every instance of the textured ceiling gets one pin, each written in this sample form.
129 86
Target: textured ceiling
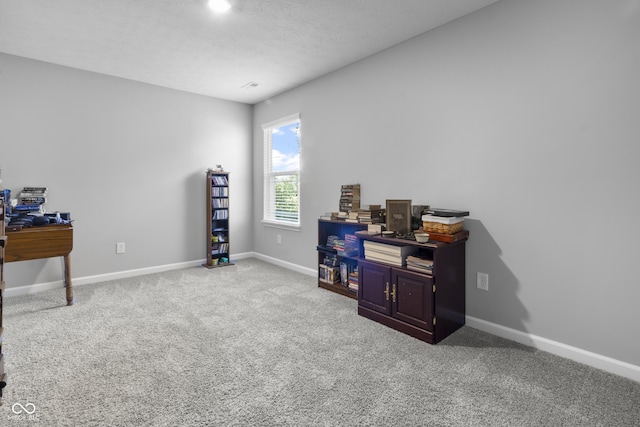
180 44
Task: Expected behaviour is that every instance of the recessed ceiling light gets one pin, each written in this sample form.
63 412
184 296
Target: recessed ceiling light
219 6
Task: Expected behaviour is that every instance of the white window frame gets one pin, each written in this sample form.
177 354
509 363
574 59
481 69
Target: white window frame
269 210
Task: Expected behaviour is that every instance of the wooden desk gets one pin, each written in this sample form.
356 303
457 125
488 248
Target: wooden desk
42 242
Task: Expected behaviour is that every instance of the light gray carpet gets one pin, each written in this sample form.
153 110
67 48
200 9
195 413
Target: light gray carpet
257 345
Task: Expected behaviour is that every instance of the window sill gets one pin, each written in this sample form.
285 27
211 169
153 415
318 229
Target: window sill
281 225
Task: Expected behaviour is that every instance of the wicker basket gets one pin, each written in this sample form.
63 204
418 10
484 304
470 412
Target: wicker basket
442 225
436 227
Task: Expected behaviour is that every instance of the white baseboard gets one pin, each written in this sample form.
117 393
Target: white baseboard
32 289
86 280
79 281
588 358
594 360
287 265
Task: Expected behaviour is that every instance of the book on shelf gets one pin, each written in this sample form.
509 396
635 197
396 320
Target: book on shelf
27 207
347 273
418 260
421 264
219 180
350 197
33 191
371 216
220 203
328 274
344 273
219 248
351 206
31 200
331 260
420 270
351 240
352 217
346 206
338 244
391 254
343 215
329 216
388 259
348 246
220 191
331 240
384 248
221 214
352 281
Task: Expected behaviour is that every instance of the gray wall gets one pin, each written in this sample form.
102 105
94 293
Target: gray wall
525 113
127 159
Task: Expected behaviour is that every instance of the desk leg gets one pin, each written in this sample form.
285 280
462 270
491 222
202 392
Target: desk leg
67 280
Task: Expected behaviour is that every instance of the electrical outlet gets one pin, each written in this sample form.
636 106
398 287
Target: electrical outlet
279 239
482 281
120 248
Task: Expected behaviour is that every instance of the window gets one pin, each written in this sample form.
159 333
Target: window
282 171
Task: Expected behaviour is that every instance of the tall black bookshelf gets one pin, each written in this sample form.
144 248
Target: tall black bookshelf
218 242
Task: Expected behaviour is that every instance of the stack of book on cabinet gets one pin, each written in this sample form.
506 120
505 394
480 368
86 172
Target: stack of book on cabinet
32 199
420 264
329 216
390 254
346 247
350 198
371 214
352 217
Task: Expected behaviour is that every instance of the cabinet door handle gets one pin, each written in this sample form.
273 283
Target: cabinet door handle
386 291
393 293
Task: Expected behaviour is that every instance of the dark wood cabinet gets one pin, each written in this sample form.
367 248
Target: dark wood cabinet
413 298
429 307
374 296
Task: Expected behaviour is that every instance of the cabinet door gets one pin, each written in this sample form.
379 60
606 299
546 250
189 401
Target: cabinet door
374 286
412 298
